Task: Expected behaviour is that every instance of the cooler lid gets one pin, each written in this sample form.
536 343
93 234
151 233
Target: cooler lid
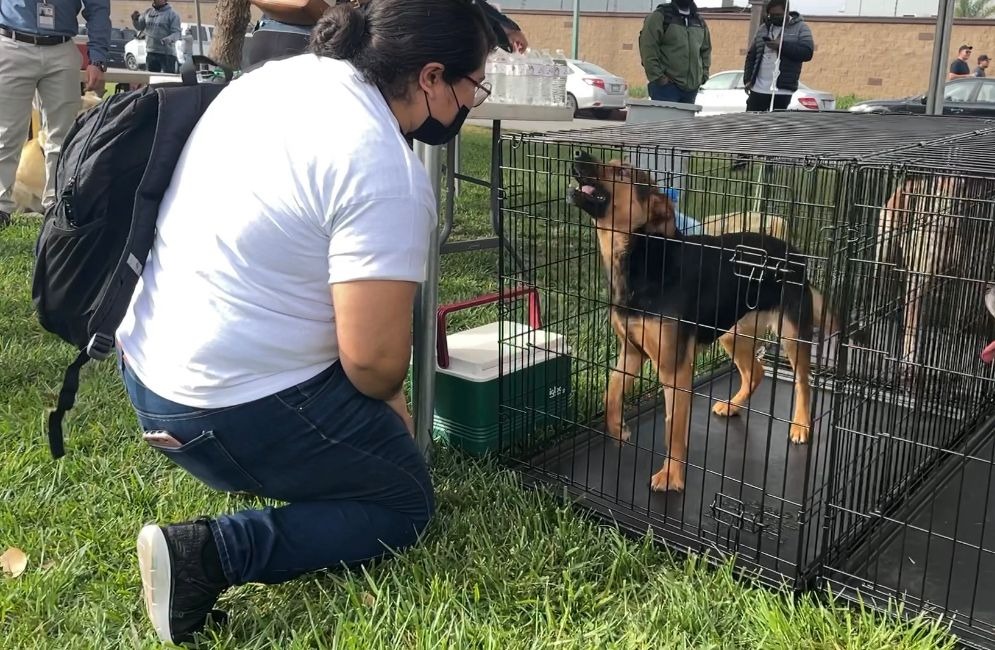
473 353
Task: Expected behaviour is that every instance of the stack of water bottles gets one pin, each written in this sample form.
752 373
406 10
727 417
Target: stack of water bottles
530 78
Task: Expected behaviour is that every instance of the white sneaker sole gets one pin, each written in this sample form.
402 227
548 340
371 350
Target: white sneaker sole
153 563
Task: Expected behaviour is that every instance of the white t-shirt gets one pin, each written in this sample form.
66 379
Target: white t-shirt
297 176
765 75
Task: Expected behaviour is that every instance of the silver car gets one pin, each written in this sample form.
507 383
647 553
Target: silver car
724 93
592 87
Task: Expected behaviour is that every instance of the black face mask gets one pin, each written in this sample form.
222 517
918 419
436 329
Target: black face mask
433 132
775 21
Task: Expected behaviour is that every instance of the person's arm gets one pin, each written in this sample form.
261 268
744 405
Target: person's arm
509 35
373 328
138 20
800 49
750 62
649 47
377 251
293 12
706 53
97 14
175 29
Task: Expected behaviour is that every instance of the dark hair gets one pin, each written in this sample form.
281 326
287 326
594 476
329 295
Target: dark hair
390 41
776 3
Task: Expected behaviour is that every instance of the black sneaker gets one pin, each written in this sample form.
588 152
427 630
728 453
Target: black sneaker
181 578
4 220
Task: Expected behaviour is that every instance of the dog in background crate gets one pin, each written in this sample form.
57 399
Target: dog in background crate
919 232
672 292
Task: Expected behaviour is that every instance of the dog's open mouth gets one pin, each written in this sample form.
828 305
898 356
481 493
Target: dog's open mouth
588 193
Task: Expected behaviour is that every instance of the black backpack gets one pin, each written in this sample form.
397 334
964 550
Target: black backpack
116 163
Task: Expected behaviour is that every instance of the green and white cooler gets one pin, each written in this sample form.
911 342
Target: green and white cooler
471 385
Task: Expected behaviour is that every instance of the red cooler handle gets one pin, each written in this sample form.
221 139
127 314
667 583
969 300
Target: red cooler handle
442 345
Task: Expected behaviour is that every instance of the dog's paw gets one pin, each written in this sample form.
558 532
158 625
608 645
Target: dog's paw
799 433
726 409
668 479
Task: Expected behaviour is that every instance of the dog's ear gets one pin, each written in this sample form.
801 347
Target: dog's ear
661 209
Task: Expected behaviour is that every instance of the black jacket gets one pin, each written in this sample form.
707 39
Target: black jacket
797 48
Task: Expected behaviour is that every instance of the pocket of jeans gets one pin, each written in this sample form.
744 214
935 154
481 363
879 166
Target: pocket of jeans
207 460
307 392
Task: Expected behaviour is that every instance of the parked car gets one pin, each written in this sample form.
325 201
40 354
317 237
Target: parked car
134 51
969 96
590 86
120 37
724 92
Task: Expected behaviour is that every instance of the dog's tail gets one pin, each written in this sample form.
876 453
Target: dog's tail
829 324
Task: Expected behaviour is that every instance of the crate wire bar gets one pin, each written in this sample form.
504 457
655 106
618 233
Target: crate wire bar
894 221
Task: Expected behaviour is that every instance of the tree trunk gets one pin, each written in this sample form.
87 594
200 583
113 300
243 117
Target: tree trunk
231 20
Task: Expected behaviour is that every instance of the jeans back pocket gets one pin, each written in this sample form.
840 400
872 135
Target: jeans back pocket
207 460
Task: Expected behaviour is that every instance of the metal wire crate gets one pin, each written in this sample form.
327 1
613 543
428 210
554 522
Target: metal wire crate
909 502
821 182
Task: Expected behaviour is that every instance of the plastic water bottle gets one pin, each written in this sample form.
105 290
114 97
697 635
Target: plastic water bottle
518 81
560 80
497 72
549 77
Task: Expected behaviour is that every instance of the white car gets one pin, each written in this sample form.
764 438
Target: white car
724 92
134 51
592 87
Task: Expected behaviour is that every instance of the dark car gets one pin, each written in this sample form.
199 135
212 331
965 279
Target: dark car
968 96
119 38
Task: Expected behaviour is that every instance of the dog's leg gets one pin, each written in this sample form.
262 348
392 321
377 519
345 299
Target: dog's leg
630 360
674 365
741 343
799 351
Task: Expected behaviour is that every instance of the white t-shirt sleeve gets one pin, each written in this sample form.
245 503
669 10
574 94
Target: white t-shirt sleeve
379 239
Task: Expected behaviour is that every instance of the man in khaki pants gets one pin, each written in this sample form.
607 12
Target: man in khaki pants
37 53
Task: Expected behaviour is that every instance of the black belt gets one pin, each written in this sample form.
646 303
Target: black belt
34 39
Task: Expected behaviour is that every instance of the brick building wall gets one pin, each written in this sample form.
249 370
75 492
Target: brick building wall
866 57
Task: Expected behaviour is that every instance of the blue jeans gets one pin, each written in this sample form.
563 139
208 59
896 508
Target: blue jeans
670 92
355 484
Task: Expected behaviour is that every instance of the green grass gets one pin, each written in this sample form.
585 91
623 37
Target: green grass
843 102
501 568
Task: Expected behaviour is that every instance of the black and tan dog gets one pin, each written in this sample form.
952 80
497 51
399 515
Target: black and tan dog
672 293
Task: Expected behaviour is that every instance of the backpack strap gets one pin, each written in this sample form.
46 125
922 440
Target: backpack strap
67 398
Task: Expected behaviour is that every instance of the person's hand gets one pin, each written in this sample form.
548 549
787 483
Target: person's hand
135 15
663 81
517 39
748 88
772 44
400 406
95 79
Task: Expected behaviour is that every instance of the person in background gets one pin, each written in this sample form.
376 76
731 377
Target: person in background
766 88
266 346
959 68
983 61
161 25
675 48
38 55
286 25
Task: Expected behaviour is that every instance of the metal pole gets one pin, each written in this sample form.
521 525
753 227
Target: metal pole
575 32
426 306
200 42
941 45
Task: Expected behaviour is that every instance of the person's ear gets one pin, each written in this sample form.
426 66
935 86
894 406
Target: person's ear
430 79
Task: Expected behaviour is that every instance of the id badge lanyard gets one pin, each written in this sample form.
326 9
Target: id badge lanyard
46 15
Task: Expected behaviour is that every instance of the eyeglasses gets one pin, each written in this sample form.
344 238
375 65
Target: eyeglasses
482 92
